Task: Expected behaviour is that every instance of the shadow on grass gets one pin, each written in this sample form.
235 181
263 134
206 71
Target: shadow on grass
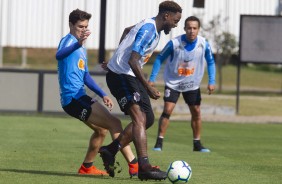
53 173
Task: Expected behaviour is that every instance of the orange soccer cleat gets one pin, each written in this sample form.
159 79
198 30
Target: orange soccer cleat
91 171
133 169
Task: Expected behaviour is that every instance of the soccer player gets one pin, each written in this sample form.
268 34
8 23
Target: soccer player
73 75
128 85
185 58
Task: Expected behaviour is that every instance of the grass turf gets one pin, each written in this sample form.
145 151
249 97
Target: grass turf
36 149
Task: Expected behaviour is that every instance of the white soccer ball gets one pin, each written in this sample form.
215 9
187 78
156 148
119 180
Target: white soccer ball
179 172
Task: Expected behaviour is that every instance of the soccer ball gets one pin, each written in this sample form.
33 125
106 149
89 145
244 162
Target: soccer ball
179 172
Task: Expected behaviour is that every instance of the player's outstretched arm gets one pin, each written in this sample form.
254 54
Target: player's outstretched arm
66 51
91 84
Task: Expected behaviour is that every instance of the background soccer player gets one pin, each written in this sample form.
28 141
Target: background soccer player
185 58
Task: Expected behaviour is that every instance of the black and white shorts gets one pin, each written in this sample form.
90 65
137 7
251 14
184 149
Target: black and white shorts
190 97
128 90
80 108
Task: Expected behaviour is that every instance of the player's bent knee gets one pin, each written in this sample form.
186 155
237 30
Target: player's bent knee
101 132
165 115
104 133
150 118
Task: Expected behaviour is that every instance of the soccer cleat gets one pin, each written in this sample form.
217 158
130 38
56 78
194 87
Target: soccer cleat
200 148
204 150
156 166
133 169
157 149
151 173
91 171
159 144
108 160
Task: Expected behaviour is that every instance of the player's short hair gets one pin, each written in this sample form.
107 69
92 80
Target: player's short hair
169 6
77 15
192 18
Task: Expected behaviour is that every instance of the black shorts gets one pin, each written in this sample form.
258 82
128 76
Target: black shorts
128 90
190 97
80 108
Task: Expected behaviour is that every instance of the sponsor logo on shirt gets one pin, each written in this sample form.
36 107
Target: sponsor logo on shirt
185 85
81 64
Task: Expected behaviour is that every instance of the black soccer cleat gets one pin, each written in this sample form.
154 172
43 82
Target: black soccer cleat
199 147
152 173
108 160
159 144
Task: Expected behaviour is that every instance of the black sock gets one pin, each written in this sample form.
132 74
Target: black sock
160 140
134 161
114 147
87 165
197 144
143 161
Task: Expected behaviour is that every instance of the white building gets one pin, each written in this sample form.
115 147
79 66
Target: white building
42 23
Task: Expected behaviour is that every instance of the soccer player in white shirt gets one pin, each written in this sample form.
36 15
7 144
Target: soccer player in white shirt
186 57
127 83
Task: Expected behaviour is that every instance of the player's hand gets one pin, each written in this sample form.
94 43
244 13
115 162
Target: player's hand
153 92
108 102
211 89
104 66
84 35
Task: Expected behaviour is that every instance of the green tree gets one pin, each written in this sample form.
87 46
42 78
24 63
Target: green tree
224 42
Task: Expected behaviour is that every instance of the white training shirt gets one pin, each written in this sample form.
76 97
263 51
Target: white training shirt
142 38
185 70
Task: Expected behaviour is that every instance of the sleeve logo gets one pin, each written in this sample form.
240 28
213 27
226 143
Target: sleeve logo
81 64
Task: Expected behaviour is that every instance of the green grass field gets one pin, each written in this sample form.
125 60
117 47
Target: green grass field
36 149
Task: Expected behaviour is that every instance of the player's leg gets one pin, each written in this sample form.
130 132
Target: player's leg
130 94
193 99
101 117
143 112
164 119
136 131
163 125
196 121
81 109
132 163
170 99
116 84
95 143
139 134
